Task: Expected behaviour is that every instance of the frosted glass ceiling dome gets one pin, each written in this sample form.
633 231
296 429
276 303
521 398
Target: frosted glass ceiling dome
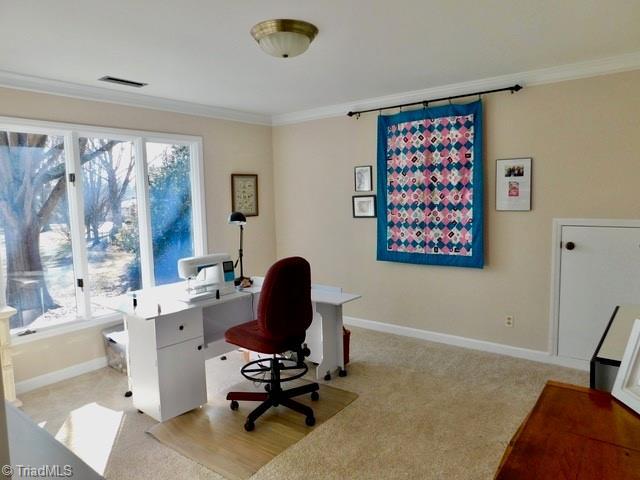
284 38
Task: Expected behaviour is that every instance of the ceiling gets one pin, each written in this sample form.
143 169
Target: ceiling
200 51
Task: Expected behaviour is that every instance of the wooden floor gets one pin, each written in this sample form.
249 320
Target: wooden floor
214 435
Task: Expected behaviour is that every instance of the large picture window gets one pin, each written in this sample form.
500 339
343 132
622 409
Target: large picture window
88 212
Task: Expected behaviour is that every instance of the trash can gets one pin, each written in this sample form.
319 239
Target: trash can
346 338
116 342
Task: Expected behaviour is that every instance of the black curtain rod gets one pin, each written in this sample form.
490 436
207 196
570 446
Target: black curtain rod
512 89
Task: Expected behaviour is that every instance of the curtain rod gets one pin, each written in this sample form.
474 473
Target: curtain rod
513 89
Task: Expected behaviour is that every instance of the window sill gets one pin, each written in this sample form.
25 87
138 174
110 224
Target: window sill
70 327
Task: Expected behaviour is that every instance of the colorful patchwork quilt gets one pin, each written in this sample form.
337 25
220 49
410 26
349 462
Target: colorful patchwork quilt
430 186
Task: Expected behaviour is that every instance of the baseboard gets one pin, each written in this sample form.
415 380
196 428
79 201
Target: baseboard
465 342
53 377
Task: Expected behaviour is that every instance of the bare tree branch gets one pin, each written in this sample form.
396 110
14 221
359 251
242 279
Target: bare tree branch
58 172
52 201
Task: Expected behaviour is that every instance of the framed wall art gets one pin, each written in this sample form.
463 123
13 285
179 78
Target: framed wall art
513 184
627 385
362 178
364 206
244 193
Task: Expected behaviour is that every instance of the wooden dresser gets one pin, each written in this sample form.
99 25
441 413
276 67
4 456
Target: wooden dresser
574 433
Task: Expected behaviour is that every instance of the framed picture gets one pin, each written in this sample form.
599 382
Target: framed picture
627 385
364 206
513 184
362 178
244 193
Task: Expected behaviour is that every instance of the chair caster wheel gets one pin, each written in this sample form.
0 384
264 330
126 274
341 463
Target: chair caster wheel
128 394
249 426
310 421
267 388
342 372
315 396
327 377
234 405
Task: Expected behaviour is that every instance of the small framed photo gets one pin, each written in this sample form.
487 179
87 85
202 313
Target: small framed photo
362 178
513 184
627 385
364 206
244 193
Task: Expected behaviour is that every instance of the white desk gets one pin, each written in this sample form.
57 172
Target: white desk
169 340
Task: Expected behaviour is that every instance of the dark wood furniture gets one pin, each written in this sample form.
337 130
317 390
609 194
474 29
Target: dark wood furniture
574 433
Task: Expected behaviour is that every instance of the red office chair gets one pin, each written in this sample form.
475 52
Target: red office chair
284 314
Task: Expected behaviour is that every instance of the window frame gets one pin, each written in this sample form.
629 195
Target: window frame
71 134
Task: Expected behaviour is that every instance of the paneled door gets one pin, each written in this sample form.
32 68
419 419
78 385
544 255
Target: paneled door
599 269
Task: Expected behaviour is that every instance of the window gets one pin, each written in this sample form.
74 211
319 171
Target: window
88 212
34 228
170 204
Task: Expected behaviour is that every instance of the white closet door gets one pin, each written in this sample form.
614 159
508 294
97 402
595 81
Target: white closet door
599 269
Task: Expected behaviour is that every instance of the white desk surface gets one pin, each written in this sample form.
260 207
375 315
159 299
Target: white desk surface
167 297
615 342
333 296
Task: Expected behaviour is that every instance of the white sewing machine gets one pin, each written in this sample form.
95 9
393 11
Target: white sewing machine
207 276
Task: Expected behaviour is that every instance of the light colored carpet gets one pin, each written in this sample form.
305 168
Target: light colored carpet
425 410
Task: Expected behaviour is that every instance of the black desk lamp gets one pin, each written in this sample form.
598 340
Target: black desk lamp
238 218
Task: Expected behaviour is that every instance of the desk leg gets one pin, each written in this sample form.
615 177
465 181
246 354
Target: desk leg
332 351
129 391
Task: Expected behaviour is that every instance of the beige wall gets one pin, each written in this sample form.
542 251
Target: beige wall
228 147
584 137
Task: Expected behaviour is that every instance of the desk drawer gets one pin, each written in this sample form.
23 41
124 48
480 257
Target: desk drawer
178 327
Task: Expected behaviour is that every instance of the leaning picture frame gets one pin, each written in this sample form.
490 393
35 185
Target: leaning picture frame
627 384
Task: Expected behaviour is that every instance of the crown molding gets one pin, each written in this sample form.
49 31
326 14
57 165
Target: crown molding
592 68
86 92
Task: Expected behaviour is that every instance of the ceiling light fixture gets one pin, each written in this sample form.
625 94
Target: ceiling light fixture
284 38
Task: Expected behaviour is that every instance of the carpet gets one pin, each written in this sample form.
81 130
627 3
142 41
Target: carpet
424 411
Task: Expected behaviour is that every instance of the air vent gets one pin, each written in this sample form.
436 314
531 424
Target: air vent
121 81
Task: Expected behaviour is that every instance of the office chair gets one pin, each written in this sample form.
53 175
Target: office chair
284 314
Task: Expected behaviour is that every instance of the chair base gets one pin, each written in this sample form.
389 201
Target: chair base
274 396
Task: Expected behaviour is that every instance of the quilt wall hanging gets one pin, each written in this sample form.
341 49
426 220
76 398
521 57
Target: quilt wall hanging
430 192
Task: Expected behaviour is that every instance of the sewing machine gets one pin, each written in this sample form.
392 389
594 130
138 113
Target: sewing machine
207 276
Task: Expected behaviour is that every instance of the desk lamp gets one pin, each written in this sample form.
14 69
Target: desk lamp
238 218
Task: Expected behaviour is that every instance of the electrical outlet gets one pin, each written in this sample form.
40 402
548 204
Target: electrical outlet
508 321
